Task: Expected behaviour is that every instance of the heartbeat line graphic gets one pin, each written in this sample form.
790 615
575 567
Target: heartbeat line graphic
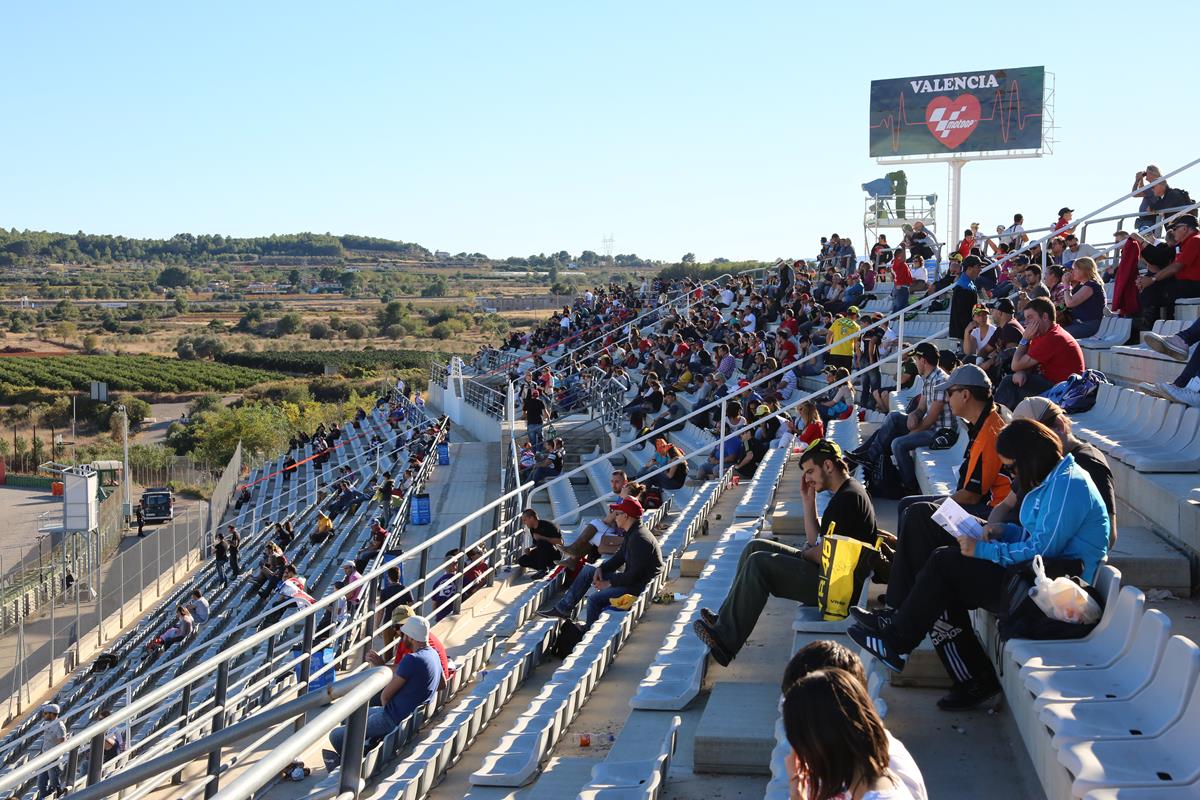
1005 110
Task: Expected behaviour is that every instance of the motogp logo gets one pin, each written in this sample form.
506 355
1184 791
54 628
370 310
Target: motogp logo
952 121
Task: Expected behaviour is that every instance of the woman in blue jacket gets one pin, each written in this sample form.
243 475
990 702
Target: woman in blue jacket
1062 516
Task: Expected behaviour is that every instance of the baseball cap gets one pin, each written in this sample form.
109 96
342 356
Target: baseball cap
51 708
743 383
350 564
1065 210
416 628
927 351
629 507
805 296
762 410
852 310
826 447
969 375
1185 219
1005 305
401 613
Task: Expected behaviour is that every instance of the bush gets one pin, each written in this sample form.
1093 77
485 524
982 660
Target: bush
356 330
394 331
319 330
444 330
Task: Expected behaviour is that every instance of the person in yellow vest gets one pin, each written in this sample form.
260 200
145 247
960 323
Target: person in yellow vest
844 335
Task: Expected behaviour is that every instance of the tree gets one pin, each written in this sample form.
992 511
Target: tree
319 330
688 258
65 331
435 289
173 277
356 330
294 279
392 314
289 323
91 344
262 429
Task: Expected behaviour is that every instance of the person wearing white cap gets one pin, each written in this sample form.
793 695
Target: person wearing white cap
54 733
414 683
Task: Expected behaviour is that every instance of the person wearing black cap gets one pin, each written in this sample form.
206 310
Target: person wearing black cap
769 569
964 297
997 356
1179 279
901 434
1063 226
635 565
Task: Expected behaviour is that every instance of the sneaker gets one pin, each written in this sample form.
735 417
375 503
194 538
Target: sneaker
553 613
717 650
709 616
972 694
873 620
857 459
1185 396
1154 390
876 644
1170 346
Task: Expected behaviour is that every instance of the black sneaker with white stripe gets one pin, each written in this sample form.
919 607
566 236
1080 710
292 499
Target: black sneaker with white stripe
876 644
873 620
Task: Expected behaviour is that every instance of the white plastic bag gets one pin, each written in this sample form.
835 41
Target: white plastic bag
1062 599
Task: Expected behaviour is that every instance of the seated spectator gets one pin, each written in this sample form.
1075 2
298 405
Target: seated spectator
551 463
583 547
180 630
636 564
1160 288
1086 299
807 424
399 615
672 410
900 433
670 456
1181 347
270 571
996 356
977 338
754 450
1062 516
446 586
547 539
767 568
198 607
415 683
1046 356
476 572
1034 288
243 498
838 402
1090 459
825 655
729 451
839 746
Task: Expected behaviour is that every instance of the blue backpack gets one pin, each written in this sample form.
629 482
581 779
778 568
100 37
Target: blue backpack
1077 393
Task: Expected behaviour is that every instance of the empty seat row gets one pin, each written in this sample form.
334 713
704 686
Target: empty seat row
1114 331
1150 434
760 490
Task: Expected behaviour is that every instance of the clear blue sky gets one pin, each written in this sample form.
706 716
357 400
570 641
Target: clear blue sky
735 129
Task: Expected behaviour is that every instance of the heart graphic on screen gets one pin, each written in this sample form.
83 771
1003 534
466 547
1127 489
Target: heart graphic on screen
952 121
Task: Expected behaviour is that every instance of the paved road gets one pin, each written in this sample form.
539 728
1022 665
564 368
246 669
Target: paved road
165 414
138 564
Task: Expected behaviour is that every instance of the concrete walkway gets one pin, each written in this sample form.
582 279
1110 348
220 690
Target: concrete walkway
472 480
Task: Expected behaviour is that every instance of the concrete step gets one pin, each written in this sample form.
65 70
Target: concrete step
1148 562
788 517
691 563
736 733
924 669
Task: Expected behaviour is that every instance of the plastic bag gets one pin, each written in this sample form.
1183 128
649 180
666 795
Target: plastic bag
1062 598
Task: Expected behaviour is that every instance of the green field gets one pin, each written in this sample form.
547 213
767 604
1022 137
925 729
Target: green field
313 362
131 373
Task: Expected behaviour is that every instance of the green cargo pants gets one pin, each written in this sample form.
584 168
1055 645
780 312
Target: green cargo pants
765 569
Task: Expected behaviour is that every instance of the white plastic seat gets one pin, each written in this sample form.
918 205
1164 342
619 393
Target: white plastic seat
1147 713
1173 792
1123 678
1165 760
1104 645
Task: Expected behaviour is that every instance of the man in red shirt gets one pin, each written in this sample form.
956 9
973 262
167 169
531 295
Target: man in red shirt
902 280
785 347
1179 279
1046 356
1063 227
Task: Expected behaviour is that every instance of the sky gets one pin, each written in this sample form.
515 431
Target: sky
735 130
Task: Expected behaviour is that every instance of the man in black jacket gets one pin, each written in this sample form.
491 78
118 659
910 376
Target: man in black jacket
639 555
964 297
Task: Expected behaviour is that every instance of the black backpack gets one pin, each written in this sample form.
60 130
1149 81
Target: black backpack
1022 618
883 478
569 634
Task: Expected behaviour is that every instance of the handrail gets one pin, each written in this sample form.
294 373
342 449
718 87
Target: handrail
237 648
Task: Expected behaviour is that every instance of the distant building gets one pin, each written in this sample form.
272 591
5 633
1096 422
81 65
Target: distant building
441 255
261 287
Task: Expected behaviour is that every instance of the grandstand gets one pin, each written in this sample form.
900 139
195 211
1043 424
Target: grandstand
223 713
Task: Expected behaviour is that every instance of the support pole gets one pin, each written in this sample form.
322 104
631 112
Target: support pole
310 630
352 751
220 694
721 445
956 165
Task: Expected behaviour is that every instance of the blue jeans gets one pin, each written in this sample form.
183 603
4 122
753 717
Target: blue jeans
1082 330
535 433
899 298
379 725
597 601
221 572
1190 335
48 782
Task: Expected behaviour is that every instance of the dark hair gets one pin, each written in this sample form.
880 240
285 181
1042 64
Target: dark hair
1042 306
821 451
394 573
821 654
1034 268
1058 269
635 489
835 732
529 512
1033 448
